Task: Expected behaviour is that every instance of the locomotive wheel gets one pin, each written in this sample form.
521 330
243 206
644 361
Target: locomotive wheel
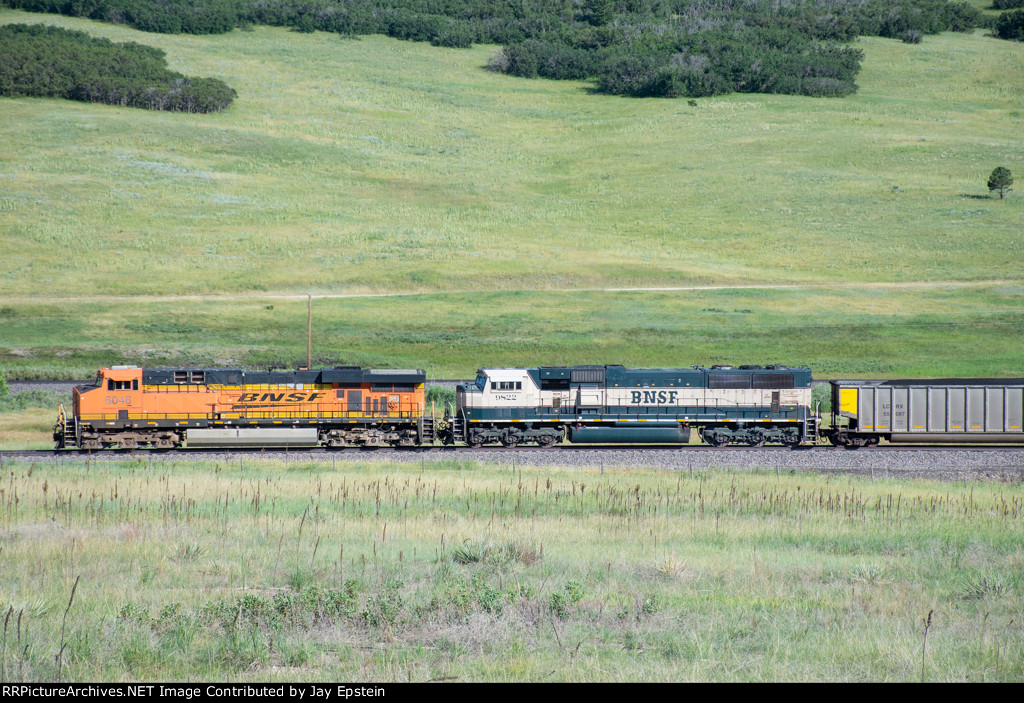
475 442
756 441
546 440
510 440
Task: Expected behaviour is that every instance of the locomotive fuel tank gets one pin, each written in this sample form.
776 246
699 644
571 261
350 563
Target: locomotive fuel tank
647 434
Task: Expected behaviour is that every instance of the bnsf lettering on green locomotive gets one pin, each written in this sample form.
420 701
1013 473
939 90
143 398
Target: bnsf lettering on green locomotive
653 397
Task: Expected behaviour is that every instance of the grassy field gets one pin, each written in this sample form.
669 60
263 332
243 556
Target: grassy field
28 429
965 330
501 207
381 166
467 572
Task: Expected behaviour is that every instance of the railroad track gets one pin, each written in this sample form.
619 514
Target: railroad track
439 451
1002 464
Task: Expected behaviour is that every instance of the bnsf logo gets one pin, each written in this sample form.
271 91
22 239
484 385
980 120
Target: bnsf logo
279 397
653 397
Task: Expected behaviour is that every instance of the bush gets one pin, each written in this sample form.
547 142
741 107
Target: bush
562 602
961 17
641 48
1010 25
41 61
520 60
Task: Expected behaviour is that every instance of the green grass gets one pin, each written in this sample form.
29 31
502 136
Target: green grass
336 172
471 572
956 330
31 428
381 166
987 8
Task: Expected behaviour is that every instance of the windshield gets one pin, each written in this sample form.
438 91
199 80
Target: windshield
481 382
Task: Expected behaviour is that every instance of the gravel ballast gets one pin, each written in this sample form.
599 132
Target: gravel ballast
958 464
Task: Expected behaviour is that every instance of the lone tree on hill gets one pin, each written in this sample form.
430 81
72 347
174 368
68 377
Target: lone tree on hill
1001 180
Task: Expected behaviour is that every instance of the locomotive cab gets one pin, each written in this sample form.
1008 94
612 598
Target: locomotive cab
117 391
497 391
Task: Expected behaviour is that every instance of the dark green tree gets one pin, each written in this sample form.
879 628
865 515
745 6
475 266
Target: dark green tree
1010 25
665 48
1001 180
598 12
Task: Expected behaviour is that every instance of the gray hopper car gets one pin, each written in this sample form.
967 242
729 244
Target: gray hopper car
939 411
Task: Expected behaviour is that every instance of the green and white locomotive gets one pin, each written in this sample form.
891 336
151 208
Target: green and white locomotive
746 405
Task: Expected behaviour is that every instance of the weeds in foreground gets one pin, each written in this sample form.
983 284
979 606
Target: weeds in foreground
485 574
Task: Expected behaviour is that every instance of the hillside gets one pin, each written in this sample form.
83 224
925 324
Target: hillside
374 165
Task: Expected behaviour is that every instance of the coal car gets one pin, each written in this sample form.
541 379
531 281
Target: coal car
936 411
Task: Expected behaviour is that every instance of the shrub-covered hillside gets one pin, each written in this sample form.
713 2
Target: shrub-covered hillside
662 48
42 61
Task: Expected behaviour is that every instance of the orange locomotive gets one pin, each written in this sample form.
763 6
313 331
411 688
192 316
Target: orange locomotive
130 407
